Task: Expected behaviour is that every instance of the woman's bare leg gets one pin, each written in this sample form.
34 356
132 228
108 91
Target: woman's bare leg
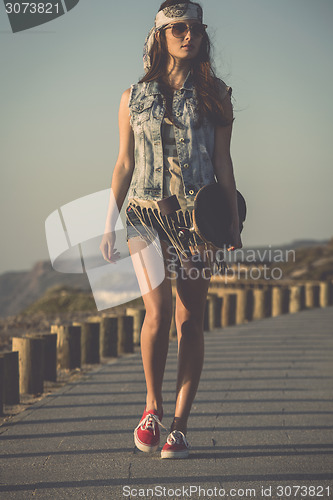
155 331
190 309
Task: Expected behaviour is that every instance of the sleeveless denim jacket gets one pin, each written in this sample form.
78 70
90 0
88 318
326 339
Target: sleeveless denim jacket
195 145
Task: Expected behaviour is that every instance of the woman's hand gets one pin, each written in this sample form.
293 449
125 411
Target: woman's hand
109 252
235 237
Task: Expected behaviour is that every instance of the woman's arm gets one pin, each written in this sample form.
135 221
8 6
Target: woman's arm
224 170
121 178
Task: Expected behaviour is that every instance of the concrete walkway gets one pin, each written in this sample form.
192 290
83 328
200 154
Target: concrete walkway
262 418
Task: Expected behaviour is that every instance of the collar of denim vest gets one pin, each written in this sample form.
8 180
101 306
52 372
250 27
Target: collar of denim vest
153 87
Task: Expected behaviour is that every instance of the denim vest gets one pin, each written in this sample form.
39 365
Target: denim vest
195 145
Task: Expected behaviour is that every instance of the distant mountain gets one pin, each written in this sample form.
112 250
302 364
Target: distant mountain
306 243
312 262
19 289
296 244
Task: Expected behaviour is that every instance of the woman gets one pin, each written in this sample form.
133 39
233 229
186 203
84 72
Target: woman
175 129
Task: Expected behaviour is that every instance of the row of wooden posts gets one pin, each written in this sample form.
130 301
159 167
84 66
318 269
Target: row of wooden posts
36 358
240 302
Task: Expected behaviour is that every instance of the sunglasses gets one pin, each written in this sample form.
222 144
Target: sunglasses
180 30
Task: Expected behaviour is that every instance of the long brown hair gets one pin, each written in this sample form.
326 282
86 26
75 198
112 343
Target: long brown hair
205 81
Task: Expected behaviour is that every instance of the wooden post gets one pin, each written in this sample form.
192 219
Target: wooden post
228 316
138 319
241 307
11 390
90 343
280 300
50 355
2 384
109 336
244 305
311 295
324 293
31 364
125 334
218 312
262 303
69 347
258 304
277 300
211 312
296 299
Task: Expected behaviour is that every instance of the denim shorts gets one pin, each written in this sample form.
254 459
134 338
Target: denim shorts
152 226
139 229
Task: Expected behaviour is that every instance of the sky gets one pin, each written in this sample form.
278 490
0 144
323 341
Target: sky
61 84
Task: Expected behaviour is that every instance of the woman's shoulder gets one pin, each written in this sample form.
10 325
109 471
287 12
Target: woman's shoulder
126 94
134 92
130 94
125 98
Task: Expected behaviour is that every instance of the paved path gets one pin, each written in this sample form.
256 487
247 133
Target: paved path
262 418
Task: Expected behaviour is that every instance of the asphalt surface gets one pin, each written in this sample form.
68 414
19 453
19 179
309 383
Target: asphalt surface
260 427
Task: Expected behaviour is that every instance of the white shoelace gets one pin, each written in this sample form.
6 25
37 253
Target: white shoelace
177 437
149 423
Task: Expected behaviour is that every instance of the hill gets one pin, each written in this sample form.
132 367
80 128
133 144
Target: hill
21 288
311 263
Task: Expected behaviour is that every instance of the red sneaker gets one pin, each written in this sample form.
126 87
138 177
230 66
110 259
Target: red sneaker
147 432
176 446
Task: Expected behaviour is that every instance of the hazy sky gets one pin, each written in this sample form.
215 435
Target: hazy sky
60 90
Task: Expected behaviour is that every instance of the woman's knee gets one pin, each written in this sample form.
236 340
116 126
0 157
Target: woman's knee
159 319
189 325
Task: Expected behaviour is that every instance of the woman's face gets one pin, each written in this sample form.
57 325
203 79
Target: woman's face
186 47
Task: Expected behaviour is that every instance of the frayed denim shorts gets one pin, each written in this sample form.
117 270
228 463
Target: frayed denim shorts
135 227
144 222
